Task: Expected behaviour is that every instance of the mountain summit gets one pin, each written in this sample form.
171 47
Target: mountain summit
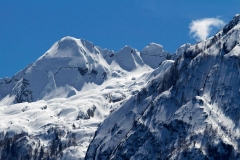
57 102
79 101
72 63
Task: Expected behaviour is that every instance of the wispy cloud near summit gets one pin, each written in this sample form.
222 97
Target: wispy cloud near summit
200 29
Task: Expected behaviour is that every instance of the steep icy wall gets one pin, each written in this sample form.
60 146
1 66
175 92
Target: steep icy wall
189 111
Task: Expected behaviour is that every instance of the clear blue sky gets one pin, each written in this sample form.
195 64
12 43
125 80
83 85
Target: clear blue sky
29 28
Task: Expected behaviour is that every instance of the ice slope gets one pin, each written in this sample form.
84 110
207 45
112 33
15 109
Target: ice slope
52 108
188 111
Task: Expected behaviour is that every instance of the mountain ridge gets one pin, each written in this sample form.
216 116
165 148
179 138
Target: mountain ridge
52 108
79 101
80 55
189 115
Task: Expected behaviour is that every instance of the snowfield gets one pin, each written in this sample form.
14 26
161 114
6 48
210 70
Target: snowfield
60 100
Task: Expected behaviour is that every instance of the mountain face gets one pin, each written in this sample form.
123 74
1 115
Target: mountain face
189 111
78 101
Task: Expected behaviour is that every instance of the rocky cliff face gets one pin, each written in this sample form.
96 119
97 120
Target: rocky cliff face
189 111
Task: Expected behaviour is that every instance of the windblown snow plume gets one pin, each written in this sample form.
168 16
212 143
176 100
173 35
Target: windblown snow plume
200 29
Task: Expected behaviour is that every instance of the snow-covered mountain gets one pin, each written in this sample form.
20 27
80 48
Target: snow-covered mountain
189 111
70 64
52 108
80 101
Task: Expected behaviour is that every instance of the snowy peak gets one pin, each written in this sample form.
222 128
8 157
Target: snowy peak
128 58
60 99
93 102
69 63
153 55
73 63
76 62
67 42
69 47
153 47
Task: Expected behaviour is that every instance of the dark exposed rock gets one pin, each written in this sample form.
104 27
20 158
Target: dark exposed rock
90 111
83 70
24 95
94 72
231 24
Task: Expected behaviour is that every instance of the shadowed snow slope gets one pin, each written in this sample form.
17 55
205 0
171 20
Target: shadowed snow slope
189 111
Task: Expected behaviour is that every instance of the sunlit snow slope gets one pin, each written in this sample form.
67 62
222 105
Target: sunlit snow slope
80 101
52 108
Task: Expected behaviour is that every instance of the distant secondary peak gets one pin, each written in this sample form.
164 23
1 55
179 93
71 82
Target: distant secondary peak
153 55
153 49
127 49
155 44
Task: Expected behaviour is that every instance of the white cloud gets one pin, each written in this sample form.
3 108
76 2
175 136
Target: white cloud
200 29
